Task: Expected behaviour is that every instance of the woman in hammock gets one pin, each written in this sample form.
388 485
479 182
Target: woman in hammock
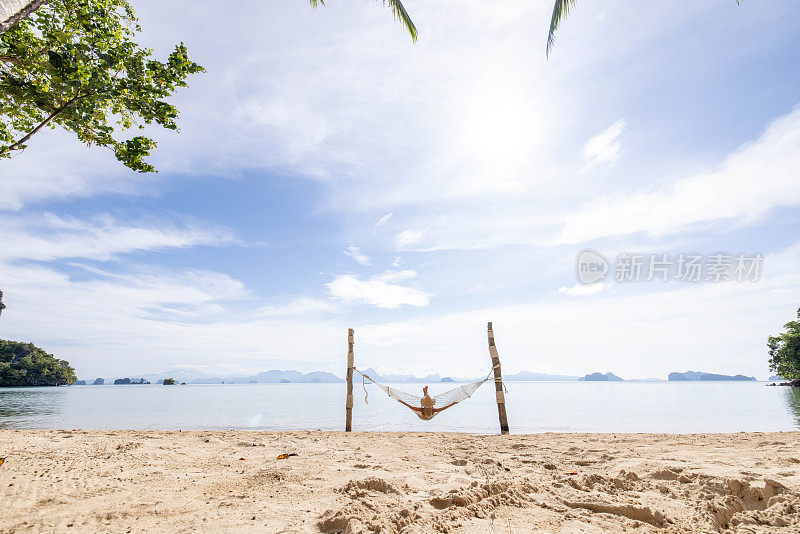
426 411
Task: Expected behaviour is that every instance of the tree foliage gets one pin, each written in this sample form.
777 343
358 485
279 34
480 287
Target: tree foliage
784 351
2 306
169 382
75 64
24 364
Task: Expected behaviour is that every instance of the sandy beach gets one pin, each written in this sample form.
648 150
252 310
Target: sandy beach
125 481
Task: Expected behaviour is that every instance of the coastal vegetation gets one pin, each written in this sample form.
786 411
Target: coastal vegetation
169 381
24 364
784 352
128 381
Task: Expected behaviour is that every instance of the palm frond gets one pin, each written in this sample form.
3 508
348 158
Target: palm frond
560 12
398 10
400 13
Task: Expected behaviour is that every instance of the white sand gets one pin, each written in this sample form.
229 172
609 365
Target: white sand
398 482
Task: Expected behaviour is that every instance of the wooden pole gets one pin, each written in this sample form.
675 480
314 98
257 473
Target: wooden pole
498 383
350 360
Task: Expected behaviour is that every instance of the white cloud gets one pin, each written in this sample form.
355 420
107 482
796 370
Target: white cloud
733 190
297 306
754 179
46 237
55 305
583 289
395 276
406 238
381 222
604 148
381 291
56 165
357 255
158 287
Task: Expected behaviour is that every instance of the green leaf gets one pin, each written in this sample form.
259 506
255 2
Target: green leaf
560 12
75 64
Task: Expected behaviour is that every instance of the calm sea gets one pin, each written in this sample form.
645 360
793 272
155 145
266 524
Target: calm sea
532 407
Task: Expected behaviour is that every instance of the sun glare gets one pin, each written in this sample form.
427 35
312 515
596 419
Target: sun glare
499 124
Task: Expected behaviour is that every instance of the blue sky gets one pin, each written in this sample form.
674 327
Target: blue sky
330 174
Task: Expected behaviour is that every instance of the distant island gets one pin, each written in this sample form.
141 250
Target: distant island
600 377
183 376
126 381
695 376
405 378
278 376
24 364
273 376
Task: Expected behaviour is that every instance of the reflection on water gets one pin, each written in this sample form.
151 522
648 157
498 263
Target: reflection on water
29 406
671 407
793 402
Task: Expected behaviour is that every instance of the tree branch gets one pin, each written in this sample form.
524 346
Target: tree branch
13 18
45 122
10 59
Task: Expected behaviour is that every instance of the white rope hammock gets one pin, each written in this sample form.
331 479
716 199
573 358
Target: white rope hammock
428 407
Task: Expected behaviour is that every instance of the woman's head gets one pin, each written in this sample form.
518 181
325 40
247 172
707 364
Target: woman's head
426 401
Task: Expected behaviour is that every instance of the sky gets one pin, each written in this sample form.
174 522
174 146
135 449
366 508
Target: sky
330 174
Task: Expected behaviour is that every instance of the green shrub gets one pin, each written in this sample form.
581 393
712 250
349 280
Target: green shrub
784 352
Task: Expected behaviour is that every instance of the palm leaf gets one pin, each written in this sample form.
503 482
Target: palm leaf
560 12
398 10
400 13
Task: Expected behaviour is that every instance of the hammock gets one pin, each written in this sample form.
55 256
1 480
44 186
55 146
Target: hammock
441 401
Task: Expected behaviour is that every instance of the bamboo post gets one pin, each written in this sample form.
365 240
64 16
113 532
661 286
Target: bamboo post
498 383
349 406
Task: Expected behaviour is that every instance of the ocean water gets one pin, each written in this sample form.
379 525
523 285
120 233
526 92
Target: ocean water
672 407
